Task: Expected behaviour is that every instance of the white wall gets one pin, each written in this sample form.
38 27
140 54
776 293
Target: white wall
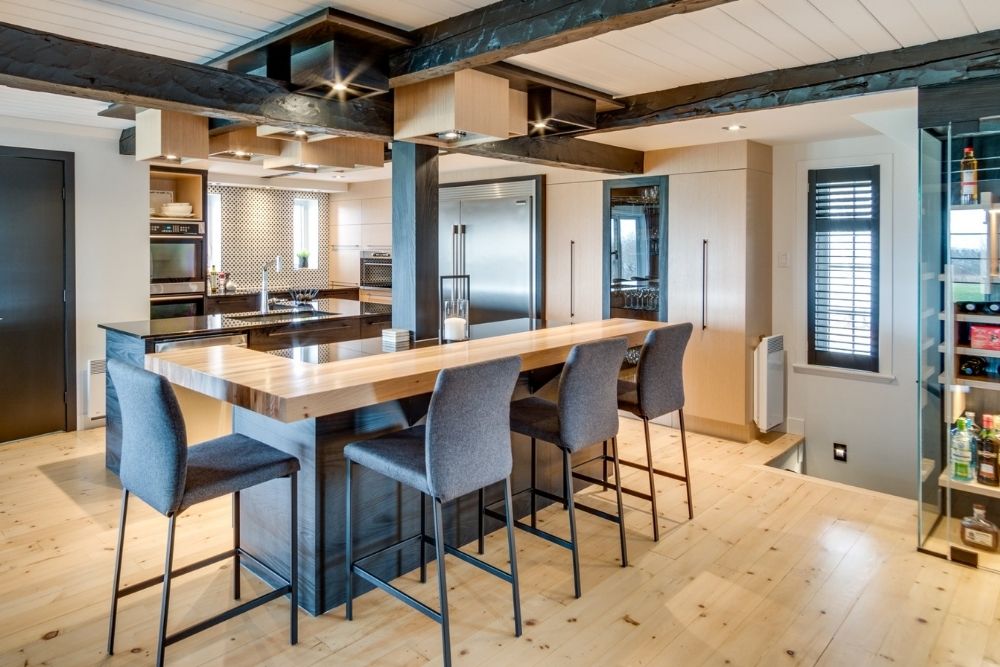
112 232
876 416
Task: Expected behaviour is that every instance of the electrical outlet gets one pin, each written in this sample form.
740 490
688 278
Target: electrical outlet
840 452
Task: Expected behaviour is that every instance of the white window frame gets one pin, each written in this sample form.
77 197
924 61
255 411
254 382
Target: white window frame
306 231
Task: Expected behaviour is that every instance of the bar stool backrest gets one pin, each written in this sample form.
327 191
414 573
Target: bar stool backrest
468 427
154 441
660 375
588 393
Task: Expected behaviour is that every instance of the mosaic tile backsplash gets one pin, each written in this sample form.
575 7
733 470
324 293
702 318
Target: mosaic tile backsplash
257 226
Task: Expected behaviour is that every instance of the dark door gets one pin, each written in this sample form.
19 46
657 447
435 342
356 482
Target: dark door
32 309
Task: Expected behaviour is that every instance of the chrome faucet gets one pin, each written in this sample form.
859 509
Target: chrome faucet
265 296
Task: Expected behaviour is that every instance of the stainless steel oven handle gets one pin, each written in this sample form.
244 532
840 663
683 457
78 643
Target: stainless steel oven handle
177 237
176 297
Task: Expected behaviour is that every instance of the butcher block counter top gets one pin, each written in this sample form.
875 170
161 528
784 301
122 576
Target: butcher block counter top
289 390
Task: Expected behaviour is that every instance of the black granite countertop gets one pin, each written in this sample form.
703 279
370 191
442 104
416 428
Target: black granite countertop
366 347
317 311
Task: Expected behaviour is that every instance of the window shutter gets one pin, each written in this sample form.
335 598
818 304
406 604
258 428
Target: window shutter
843 267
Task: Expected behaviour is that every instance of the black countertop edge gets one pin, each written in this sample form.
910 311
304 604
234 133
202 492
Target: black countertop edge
337 309
366 347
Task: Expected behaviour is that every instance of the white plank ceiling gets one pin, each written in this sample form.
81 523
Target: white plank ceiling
729 40
751 36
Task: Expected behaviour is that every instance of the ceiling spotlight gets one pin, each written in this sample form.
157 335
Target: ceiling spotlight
340 86
300 133
338 176
240 153
171 157
734 127
540 125
451 135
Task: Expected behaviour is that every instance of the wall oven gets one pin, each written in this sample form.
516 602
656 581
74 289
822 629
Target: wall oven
376 269
176 269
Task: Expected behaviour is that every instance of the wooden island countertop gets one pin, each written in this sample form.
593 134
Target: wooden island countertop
289 390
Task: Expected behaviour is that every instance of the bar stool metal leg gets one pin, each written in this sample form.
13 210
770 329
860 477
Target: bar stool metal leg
293 545
652 483
482 535
515 586
118 572
534 515
621 507
236 545
165 603
687 471
442 583
604 461
567 483
348 547
423 531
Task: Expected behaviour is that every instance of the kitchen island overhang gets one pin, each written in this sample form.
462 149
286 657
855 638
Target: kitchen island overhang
312 410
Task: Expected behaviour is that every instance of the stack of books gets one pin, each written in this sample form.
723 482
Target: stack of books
395 339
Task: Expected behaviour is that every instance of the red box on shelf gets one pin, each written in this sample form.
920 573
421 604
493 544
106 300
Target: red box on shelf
984 337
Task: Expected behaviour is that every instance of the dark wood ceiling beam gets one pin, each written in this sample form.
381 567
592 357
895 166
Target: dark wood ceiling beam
34 60
562 152
513 27
947 61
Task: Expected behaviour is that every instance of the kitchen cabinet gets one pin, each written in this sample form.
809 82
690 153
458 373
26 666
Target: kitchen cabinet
573 239
719 259
345 265
346 236
377 211
376 235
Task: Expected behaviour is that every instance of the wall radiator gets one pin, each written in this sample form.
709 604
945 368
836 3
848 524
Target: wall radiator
769 382
97 373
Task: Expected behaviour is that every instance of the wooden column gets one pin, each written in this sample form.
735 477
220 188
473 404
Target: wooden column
415 238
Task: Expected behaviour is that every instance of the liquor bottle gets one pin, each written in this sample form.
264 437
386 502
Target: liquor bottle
986 457
978 532
969 166
972 366
213 280
961 452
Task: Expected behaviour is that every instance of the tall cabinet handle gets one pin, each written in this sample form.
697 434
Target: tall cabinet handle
704 284
572 278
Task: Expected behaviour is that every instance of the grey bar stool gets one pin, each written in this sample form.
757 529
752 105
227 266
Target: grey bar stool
464 447
657 391
586 413
158 466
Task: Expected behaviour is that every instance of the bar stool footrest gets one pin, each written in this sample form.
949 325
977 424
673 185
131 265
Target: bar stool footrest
226 615
625 489
656 471
395 592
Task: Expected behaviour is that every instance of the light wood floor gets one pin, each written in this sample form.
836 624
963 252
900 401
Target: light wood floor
775 569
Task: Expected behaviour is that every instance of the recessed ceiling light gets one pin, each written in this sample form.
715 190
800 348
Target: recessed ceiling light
451 135
540 125
734 127
340 86
300 133
239 153
171 157
339 176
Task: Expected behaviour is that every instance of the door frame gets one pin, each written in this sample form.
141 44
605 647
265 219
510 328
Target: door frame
663 182
69 267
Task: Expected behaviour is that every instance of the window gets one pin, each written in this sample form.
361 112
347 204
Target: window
306 221
214 238
843 267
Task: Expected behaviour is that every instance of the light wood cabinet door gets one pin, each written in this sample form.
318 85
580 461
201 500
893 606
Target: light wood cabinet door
346 236
349 212
376 235
345 265
573 246
377 211
706 286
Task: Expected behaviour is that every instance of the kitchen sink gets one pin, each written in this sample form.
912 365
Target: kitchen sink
284 316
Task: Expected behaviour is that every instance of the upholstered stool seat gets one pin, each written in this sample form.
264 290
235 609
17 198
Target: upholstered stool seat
229 464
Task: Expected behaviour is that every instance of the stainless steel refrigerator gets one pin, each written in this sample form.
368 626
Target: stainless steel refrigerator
493 232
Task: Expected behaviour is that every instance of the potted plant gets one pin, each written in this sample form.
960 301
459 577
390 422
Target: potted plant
303 256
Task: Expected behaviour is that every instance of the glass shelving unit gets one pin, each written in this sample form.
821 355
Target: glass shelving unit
959 305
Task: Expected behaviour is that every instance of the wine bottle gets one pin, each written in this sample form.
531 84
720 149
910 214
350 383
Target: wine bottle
989 448
969 167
